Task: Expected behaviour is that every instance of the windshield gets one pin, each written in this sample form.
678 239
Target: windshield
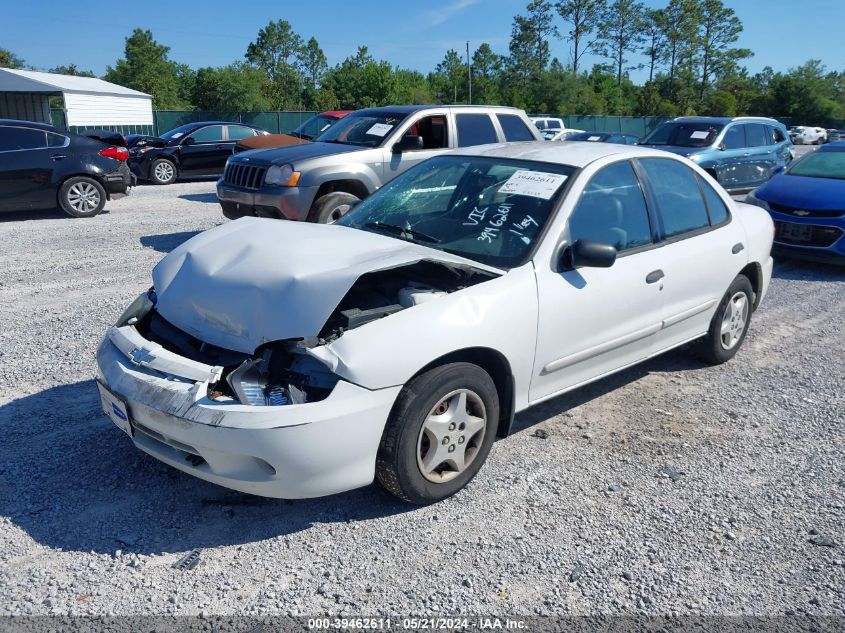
366 130
684 134
820 165
178 132
491 210
589 136
314 126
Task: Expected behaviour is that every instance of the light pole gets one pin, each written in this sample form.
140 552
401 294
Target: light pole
469 76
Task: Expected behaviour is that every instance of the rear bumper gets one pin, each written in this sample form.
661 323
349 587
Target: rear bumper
285 203
119 181
293 451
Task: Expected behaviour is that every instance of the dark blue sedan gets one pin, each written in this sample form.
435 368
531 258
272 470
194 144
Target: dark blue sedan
807 203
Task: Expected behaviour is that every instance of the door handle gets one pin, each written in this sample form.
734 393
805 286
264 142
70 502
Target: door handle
57 156
654 276
738 248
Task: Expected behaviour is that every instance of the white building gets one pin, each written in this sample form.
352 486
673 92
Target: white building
88 102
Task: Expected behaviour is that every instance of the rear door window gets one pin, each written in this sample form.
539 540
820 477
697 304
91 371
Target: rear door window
475 129
514 128
238 132
779 136
17 138
679 200
757 135
56 140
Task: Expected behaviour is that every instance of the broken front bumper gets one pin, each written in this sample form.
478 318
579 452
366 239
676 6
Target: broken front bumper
291 451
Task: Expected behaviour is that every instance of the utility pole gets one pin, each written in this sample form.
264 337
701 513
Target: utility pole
469 76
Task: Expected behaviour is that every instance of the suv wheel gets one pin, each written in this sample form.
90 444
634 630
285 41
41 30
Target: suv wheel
331 207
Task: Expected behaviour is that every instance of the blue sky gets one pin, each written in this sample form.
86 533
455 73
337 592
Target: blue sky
90 33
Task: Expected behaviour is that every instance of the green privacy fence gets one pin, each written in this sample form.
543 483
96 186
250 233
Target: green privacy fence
636 125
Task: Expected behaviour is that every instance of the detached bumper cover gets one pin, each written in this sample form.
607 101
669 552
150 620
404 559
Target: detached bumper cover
292 451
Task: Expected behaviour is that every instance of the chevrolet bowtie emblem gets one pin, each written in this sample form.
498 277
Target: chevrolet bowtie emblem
141 356
801 212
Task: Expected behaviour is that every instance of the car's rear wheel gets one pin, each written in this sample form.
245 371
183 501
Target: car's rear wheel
439 433
730 323
162 171
82 197
331 207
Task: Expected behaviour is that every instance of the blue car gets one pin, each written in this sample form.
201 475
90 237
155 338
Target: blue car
807 203
740 153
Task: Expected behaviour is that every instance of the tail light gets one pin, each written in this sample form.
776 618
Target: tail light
117 153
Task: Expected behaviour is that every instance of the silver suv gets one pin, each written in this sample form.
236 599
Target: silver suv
320 181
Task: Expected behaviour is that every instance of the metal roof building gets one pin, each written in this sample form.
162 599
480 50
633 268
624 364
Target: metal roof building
88 102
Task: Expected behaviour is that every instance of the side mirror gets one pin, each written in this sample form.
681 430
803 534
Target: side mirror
189 141
723 147
408 143
587 254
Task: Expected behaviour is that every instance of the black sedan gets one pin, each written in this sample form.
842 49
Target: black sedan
193 149
604 137
42 167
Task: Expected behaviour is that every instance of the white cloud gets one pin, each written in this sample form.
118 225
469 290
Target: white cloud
443 14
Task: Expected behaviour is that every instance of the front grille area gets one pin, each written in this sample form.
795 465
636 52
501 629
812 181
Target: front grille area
244 175
806 234
805 213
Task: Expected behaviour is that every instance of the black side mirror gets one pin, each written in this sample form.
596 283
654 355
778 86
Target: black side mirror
407 143
587 254
723 147
189 141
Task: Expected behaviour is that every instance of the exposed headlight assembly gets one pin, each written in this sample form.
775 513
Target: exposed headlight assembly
282 176
138 309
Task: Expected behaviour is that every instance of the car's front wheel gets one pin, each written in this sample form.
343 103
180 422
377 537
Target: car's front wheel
331 207
730 323
162 171
82 197
439 433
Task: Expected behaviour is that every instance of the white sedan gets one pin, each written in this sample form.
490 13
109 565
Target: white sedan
288 359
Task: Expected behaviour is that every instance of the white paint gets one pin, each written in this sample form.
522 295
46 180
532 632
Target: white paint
93 110
699 134
537 184
379 129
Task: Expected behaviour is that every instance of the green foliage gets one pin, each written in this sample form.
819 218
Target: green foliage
360 81
234 88
9 60
620 29
145 67
70 69
279 52
583 16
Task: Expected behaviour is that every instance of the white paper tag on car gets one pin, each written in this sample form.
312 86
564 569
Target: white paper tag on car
380 129
594 138
537 184
699 134
115 408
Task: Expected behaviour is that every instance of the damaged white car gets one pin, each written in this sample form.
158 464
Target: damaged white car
296 360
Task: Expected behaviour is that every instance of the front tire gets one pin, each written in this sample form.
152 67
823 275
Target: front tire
730 323
162 172
439 433
331 207
82 197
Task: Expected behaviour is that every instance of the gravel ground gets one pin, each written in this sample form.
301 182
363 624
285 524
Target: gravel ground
671 488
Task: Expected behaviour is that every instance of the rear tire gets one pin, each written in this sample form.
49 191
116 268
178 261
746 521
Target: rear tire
82 197
163 171
438 434
729 324
331 207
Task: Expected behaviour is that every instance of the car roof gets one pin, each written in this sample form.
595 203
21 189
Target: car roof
575 153
834 146
410 109
33 124
724 120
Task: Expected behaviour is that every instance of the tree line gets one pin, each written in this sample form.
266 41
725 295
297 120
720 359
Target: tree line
687 48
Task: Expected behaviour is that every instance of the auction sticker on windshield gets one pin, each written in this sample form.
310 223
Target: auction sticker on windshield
537 184
380 129
699 134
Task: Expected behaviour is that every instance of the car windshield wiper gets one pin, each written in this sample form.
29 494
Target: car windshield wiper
401 230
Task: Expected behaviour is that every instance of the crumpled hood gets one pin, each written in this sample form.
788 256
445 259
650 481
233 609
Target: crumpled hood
300 152
255 280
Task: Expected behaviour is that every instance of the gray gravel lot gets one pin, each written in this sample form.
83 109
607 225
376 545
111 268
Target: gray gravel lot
671 488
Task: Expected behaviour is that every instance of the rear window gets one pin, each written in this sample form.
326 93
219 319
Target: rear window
779 136
16 138
757 135
56 140
684 134
475 129
514 128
